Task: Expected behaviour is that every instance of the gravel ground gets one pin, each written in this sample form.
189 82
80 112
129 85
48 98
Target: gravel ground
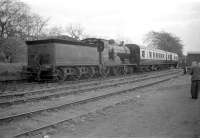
161 111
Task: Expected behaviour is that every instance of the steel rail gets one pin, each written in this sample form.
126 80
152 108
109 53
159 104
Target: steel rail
46 126
65 93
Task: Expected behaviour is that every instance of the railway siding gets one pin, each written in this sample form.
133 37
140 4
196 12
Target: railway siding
22 88
73 86
42 117
61 93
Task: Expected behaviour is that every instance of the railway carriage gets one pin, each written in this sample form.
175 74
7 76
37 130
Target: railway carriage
151 59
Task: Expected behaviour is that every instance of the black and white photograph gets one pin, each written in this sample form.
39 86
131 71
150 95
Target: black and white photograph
99 68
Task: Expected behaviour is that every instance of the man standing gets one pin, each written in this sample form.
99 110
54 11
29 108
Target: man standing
195 80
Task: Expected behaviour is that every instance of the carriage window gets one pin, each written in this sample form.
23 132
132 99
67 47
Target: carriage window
150 54
143 53
170 57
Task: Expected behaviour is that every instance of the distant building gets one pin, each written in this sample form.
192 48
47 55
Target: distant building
192 56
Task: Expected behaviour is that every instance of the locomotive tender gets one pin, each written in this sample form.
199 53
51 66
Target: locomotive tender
66 59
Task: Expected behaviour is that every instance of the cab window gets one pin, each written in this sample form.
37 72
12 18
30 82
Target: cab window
156 55
150 54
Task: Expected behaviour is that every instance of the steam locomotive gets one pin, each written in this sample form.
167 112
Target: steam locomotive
60 60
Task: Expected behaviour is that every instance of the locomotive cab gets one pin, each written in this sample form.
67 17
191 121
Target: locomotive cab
134 56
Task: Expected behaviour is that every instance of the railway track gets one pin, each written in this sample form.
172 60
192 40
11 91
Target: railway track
22 97
91 94
23 87
68 84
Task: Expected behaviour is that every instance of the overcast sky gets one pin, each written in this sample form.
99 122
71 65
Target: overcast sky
129 19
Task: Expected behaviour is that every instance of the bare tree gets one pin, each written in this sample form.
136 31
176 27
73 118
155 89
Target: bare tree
35 26
17 23
164 41
11 13
55 31
75 31
17 20
13 50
